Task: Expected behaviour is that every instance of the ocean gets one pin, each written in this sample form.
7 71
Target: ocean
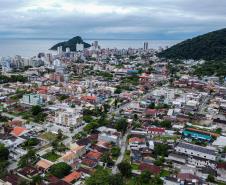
31 47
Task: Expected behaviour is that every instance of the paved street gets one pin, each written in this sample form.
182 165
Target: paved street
10 115
44 151
122 152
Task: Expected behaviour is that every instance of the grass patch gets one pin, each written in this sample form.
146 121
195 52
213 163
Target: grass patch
51 156
165 138
127 156
49 136
164 173
135 166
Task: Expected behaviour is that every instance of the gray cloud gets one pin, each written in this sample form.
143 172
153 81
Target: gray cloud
160 19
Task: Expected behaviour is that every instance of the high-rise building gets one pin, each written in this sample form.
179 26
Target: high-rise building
49 58
79 47
67 50
59 50
145 45
32 99
95 44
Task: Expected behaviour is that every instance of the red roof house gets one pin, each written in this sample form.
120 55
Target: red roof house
149 167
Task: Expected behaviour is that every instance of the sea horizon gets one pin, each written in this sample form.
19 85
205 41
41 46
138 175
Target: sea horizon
28 47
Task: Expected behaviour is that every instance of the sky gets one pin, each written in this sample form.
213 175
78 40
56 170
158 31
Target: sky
111 19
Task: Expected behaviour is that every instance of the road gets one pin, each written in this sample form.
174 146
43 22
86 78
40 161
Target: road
10 115
122 152
44 151
12 166
203 106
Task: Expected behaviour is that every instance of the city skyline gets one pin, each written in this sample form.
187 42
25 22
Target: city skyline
149 19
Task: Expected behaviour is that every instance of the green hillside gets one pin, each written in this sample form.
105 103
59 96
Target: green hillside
71 44
210 46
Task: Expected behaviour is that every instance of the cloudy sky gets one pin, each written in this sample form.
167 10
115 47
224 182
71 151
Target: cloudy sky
117 19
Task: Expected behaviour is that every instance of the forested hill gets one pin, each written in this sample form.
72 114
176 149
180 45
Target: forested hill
210 46
71 44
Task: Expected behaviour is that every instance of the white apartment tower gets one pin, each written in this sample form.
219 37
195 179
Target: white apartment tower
59 50
79 47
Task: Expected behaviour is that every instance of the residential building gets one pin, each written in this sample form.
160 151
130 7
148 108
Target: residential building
32 99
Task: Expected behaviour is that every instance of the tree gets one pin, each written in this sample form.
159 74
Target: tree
210 178
30 143
166 124
159 161
87 118
116 102
151 106
118 90
116 179
107 159
145 177
60 170
115 151
125 169
121 125
36 180
106 108
99 177
4 153
135 117
161 149
59 134
218 130
36 110
27 159
156 180
63 97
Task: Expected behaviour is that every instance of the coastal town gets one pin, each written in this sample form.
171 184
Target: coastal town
110 116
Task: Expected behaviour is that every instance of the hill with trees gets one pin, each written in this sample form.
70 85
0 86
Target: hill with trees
71 43
210 46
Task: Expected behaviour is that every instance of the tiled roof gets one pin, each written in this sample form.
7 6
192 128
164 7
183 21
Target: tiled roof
221 166
88 98
56 181
151 111
85 170
94 155
28 171
17 131
72 176
187 176
150 167
203 132
77 148
83 141
13 179
136 139
16 123
69 156
89 162
156 129
44 164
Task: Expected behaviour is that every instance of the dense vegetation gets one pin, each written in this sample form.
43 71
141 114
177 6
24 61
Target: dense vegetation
60 170
209 68
71 44
210 46
12 78
4 154
103 177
